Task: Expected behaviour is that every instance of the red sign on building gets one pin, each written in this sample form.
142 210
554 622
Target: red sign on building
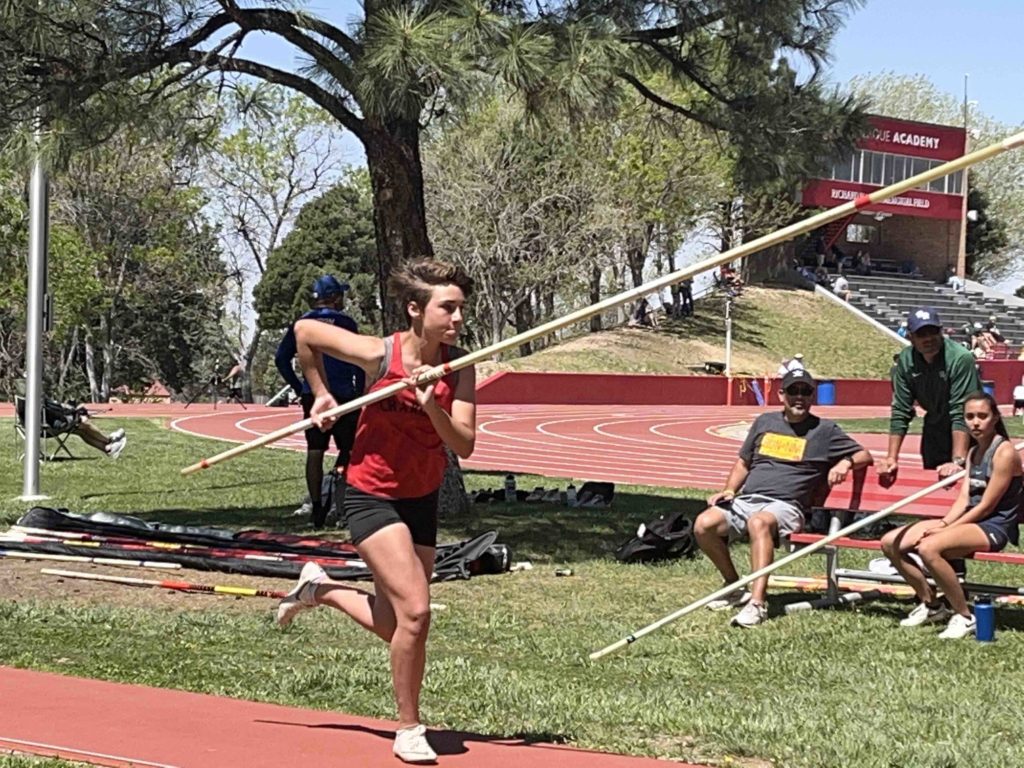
884 152
906 137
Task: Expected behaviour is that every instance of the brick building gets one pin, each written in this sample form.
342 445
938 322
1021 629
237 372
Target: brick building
920 229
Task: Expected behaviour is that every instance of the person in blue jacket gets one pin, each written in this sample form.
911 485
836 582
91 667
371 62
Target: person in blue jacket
346 382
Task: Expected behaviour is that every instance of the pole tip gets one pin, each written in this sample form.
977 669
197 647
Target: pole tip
1014 141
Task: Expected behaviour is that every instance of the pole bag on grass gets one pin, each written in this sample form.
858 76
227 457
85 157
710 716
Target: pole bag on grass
666 537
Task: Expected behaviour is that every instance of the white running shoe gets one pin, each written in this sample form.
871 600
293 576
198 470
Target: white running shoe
117 434
114 448
411 745
751 615
734 599
922 614
306 510
959 626
303 595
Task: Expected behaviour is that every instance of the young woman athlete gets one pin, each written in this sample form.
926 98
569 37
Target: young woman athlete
984 518
395 472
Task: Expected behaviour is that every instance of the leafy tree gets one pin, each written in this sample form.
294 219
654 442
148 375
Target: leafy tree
276 152
332 234
986 237
405 62
999 181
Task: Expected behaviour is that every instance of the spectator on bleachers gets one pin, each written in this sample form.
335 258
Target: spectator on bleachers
953 280
841 287
982 519
937 374
820 251
864 267
821 277
902 330
785 461
990 326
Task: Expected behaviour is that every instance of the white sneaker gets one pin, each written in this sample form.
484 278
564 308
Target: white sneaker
303 596
959 626
751 615
734 599
306 510
117 434
922 614
411 745
114 448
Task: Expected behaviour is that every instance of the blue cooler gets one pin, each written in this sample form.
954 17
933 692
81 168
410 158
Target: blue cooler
826 393
989 387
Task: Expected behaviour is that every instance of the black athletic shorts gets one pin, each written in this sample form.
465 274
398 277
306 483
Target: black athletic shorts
366 514
344 432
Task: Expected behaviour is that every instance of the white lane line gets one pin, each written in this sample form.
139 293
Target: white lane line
65 752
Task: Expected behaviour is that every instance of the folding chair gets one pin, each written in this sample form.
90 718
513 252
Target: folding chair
58 424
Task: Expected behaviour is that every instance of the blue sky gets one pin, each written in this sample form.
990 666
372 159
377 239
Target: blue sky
942 39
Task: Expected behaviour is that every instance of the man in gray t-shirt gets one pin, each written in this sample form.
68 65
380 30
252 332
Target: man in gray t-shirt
787 457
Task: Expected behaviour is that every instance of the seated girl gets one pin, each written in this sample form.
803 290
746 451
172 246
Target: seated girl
984 518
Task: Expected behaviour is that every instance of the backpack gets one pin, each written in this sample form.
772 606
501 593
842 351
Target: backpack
668 536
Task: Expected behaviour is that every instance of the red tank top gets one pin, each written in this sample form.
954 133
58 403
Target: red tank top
397 453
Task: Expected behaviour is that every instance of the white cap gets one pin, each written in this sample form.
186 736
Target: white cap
798 356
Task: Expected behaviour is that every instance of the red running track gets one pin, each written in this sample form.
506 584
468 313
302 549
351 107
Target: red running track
121 725
670 446
661 446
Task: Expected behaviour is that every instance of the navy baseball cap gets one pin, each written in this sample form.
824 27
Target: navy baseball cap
326 286
798 376
922 317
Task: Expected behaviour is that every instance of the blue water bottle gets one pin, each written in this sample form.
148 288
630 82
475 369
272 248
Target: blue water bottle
985 619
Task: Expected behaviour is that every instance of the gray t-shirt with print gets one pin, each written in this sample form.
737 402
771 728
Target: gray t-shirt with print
788 461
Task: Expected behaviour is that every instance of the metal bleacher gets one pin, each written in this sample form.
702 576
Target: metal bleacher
888 298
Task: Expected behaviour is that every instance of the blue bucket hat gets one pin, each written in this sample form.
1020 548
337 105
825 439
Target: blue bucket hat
326 286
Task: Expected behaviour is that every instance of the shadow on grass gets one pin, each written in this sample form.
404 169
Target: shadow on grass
178 488
549 532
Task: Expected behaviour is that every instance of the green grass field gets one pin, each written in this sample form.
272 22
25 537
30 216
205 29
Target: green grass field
509 654
1014 426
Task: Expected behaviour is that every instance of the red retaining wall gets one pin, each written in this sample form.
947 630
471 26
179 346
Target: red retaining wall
509 388
1006 374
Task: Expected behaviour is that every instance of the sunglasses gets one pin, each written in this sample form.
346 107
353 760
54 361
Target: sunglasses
799 391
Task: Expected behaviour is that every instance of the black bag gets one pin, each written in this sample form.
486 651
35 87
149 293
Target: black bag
668 536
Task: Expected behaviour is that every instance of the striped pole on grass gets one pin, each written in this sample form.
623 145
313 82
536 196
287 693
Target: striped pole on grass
181 586
775 238
18 555
77 539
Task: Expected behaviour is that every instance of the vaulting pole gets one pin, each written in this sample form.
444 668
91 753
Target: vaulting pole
654 286
803 552
181 586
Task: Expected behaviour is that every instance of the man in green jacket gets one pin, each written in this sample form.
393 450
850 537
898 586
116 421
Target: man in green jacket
937 374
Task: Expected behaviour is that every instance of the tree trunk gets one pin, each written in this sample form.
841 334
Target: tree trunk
524 322
250 356
452 500
108 358
90 368
595 296
399 212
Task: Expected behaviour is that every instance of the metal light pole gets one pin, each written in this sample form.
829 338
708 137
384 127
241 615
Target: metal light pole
38 201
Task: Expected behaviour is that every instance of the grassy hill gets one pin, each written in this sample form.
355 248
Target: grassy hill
768 324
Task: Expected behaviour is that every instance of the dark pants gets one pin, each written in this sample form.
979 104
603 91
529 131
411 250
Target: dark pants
936 444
